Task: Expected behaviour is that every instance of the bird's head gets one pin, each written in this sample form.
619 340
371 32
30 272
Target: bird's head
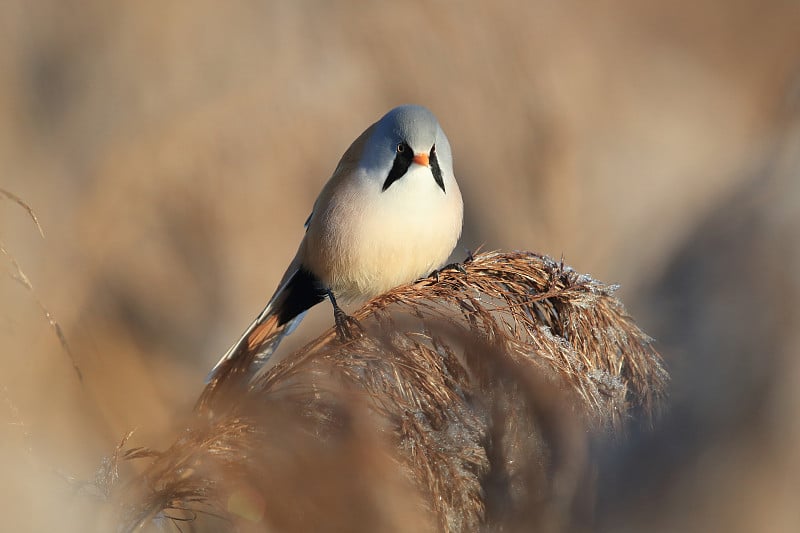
405 136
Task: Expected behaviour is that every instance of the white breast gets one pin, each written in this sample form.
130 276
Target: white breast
367 241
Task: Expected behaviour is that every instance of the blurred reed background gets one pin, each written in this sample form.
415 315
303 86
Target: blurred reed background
172 153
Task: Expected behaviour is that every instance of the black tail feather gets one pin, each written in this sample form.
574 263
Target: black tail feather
303 292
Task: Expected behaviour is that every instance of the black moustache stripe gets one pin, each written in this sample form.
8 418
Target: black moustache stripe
436 169
402 161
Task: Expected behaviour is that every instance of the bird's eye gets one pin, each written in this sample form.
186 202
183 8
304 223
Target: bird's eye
401 148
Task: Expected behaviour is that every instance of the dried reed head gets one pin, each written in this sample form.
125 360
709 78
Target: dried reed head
465 402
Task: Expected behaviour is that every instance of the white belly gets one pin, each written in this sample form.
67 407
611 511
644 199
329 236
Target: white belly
374 240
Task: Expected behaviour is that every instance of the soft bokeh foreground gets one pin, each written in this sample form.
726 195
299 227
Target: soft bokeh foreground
172 152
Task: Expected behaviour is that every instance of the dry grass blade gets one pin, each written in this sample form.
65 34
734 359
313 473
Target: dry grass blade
31 213
19 276
466 403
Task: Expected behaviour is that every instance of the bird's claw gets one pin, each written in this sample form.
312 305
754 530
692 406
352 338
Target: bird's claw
452 266
347 327
457 266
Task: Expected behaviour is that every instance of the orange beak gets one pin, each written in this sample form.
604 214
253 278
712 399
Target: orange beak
421 159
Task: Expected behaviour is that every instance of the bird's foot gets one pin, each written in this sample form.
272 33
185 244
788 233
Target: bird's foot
454 266
347 327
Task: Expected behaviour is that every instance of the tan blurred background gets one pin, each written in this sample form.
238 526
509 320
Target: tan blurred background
172 152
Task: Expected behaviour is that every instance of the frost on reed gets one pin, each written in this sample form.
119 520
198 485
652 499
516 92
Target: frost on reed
463 402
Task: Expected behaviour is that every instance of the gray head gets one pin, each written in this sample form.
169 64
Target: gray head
408 135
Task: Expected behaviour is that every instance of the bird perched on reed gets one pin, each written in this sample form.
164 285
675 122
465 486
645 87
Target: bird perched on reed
390 213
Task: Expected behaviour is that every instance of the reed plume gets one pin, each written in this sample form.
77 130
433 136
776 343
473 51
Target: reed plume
466 401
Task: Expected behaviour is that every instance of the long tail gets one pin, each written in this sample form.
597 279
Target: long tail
298 291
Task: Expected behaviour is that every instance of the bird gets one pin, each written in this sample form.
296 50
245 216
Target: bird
391 213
